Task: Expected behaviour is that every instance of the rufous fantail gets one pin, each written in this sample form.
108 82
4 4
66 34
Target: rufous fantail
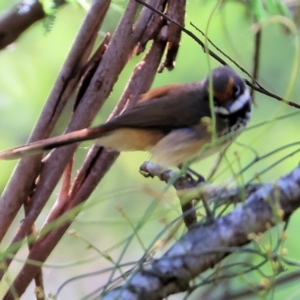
172 122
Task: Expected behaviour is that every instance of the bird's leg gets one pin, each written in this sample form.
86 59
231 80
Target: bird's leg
186 187
187 205
186 171
199 177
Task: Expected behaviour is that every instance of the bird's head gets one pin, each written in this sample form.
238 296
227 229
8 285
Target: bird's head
230 93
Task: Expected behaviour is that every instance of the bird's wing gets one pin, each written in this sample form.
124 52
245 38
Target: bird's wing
164 108
161 109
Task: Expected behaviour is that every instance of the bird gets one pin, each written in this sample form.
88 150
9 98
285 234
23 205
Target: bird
172 122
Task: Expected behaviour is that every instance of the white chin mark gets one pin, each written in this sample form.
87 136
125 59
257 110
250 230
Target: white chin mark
221 110
236 105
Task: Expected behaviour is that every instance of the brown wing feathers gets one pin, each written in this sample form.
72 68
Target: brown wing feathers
179 107
156 114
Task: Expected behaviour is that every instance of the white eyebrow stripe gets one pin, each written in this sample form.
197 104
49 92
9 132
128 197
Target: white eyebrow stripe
241 101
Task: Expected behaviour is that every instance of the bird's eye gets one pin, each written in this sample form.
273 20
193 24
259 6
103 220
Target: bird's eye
236 90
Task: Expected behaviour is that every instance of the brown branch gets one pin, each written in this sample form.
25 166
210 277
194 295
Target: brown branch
98 161
95 167
89 70
204 246
153 28
189 33
62 200
28 168
19 18
171 33
24 177
99 89
38 279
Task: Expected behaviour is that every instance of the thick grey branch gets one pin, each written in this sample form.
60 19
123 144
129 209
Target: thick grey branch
201 247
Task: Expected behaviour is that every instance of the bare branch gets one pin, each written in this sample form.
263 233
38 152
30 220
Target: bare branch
205 245
24 179
98 160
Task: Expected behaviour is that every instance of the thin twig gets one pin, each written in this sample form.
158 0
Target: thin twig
256 60
256 87
248 292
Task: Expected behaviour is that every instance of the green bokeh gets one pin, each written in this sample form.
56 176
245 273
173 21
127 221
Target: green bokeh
28 72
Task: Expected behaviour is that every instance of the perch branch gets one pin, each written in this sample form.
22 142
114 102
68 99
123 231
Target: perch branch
203 247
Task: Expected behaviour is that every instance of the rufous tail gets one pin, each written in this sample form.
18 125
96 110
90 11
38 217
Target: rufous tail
54 142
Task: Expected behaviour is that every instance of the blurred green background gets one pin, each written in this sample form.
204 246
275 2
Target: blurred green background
29 68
